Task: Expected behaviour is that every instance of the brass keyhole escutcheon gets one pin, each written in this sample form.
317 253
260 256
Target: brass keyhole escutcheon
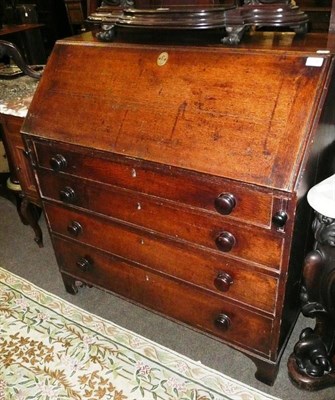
162 59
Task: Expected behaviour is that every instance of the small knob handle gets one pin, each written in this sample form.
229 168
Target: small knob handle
67 194
223 281
223 322
225 241
279 219
58 162
84 263
74 228
225 203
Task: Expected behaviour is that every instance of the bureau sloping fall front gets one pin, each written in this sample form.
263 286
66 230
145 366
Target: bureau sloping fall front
180 185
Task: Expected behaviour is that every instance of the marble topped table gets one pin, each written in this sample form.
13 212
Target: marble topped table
16 95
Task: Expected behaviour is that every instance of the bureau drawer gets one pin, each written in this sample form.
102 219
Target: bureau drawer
174 299
211 271
206 229
190 188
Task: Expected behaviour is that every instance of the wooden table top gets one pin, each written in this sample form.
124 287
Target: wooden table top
9 29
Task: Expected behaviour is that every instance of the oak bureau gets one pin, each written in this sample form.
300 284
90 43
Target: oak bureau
176 176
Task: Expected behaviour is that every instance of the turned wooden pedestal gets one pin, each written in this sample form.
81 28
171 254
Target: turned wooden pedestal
312 364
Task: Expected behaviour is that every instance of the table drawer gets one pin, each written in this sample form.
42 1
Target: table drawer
189 305
209 270
185 223
190 188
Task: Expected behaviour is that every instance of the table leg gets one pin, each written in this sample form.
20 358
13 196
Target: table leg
31 213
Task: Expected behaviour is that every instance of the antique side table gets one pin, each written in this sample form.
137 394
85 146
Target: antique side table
16 96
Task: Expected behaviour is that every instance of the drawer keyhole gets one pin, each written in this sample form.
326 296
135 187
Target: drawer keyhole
225 241
58 162
74 228
223 281
223 322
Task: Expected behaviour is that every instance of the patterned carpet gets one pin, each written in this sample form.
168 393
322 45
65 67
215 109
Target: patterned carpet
53 350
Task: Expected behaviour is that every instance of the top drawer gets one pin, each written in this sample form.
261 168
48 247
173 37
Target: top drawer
206 192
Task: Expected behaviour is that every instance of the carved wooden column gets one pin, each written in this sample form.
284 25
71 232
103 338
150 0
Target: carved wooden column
312 364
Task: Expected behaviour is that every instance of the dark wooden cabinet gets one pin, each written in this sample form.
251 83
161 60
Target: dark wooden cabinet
319 13
176 176
52 15
76 15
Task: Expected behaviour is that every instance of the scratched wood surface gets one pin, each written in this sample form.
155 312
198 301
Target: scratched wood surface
149 149
244 115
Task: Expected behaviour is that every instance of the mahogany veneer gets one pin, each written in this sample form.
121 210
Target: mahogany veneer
176 176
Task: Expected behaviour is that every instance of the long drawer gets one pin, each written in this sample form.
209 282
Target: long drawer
211 271
214 194
198 309
205 229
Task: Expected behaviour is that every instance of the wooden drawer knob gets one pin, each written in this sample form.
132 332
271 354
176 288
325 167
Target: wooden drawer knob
223 281
225 241
67 195
74 228
279 219
58 162
225 203
84 264
223 322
